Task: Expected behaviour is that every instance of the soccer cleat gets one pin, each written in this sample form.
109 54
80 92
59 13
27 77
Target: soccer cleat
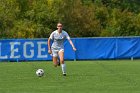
64 74
58 63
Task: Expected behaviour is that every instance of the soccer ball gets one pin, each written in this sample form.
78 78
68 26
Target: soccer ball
40 72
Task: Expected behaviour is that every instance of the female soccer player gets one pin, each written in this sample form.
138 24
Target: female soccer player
57 49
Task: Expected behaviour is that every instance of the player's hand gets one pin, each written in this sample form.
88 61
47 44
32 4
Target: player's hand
49 51
74 48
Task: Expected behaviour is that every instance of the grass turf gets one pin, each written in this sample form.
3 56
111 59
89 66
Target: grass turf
82 77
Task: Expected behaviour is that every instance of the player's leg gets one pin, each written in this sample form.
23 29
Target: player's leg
55 61
55 57
61 56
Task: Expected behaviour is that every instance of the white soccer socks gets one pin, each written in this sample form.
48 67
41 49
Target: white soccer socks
63 68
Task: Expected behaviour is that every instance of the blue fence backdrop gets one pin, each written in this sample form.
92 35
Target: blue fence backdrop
87 49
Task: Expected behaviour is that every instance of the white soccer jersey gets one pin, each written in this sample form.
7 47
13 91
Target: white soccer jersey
58 39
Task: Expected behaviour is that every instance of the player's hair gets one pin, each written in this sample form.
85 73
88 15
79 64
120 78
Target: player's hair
59 23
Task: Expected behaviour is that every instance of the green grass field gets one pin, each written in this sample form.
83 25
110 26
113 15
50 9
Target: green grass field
82 77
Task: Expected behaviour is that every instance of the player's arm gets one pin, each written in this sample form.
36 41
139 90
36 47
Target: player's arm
72 44
49 43
49 46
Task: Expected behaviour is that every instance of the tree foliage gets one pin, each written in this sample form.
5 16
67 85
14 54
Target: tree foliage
81 18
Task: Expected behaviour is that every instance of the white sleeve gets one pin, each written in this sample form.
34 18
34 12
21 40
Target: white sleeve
52 35
67 36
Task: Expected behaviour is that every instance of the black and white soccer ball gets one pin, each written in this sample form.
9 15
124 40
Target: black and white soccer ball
40 72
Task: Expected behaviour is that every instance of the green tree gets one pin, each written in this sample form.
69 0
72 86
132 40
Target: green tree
79 19
121 23
9 11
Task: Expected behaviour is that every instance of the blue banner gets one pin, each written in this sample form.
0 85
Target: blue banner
87 49
24 49
95 48
108 48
